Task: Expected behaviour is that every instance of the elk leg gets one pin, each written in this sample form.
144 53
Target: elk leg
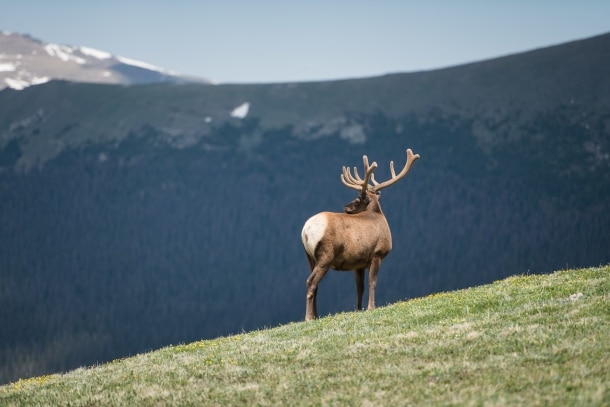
359 276
317 274
373 269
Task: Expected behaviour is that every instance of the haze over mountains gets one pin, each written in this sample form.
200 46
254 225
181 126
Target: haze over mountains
26 61
137 216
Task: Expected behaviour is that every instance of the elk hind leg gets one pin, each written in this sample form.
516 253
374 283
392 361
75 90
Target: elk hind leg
317 274
359 277
373 269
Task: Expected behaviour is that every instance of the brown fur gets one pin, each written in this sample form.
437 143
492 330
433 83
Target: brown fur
356 240
365 239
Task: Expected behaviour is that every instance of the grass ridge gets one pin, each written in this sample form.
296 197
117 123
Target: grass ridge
524 340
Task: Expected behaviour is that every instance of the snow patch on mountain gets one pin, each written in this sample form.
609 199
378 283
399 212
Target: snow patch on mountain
95 53
7 67
38 80
16 84
64 52
144 65
241 111
20 84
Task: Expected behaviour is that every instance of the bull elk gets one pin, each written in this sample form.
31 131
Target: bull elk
356 240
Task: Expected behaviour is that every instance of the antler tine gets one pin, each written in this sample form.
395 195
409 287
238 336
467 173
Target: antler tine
355 182
366 166
373 180
367 176
411 158
348 180
356 176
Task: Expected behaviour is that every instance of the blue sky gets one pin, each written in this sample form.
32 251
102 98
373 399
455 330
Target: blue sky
284 41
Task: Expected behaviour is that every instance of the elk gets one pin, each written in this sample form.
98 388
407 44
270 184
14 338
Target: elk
356 240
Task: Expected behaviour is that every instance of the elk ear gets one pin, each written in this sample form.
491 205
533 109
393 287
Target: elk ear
352 206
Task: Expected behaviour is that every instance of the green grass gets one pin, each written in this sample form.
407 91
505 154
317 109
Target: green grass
527 340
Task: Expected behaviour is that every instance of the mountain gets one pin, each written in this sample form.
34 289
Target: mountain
26 61
133 217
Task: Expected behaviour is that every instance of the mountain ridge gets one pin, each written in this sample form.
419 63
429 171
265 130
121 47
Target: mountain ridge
280 105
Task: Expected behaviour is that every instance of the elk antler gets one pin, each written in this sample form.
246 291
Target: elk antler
410 160
355 181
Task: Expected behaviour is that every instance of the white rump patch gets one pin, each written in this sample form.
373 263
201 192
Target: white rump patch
313 231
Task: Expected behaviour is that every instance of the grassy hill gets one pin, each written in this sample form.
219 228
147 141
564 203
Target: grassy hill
526 340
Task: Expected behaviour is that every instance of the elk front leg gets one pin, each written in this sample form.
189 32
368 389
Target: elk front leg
317 274
373 269
359 276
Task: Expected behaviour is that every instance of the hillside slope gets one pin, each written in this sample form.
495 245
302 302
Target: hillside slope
534 340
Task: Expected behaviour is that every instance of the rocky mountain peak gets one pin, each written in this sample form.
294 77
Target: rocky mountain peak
26 61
